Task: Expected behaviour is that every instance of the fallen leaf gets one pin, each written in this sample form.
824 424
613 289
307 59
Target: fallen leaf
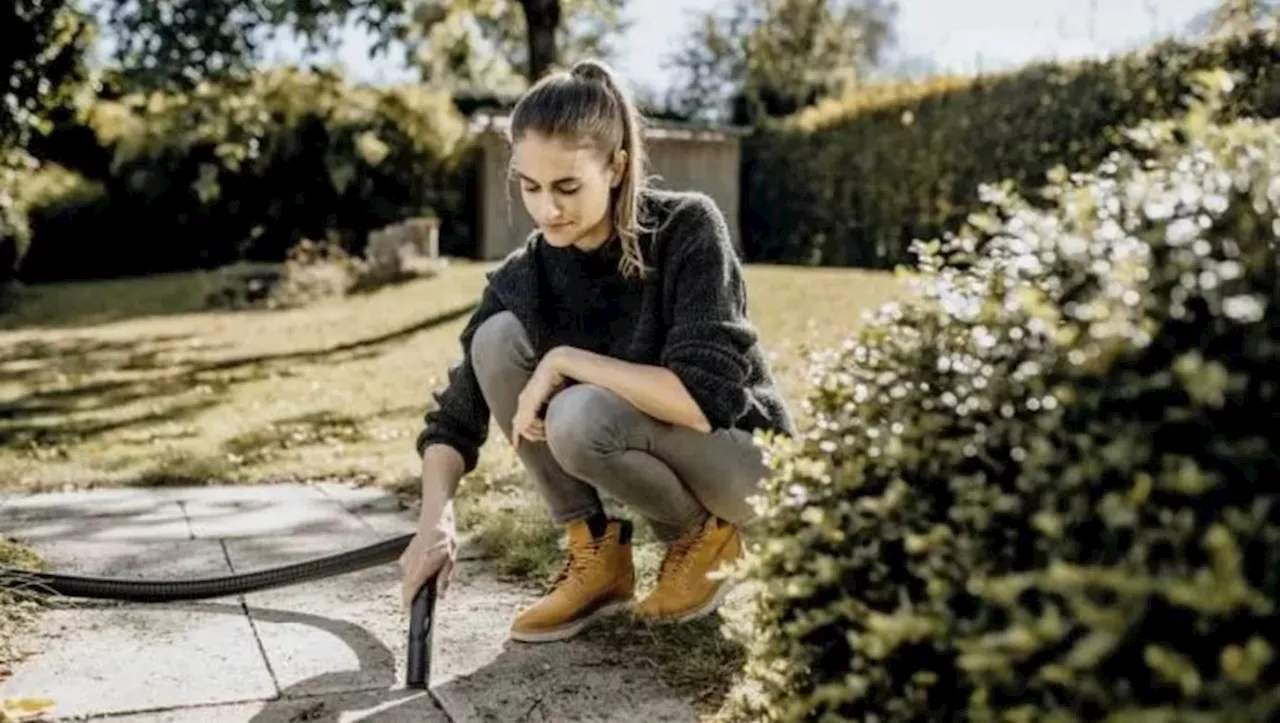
25 709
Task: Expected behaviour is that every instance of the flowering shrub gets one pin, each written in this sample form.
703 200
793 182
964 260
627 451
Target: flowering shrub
1043 488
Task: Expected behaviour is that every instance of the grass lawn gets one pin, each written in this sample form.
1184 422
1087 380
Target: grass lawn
128 383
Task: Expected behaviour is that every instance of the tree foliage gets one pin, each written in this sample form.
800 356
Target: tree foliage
1227 17
176 44
41 69
219 174
497 46
777 56
462 44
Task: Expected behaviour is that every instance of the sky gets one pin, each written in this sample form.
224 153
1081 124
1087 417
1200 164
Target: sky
961 36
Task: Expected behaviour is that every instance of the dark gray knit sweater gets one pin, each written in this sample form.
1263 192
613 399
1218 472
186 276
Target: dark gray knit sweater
689 315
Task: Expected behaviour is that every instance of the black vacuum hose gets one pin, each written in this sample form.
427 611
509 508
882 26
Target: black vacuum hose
106 588
153 591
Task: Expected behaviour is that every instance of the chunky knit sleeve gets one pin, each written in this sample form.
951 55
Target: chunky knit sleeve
711 335
460 417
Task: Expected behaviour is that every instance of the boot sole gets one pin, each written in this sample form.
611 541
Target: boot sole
710 606
572 629
707 608
703 610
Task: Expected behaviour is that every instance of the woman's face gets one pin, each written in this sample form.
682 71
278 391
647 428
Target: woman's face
566 190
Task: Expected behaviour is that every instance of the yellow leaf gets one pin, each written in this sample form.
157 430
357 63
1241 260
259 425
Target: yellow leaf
25 709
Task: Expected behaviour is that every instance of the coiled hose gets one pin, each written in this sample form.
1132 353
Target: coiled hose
421 617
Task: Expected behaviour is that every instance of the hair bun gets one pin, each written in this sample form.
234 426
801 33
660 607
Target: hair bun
590 70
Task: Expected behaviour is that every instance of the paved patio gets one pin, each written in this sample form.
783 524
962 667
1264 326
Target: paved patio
328 650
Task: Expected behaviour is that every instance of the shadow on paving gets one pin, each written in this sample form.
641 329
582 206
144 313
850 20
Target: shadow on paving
521 683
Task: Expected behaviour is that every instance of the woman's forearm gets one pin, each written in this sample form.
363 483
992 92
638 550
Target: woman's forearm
442 470
654 390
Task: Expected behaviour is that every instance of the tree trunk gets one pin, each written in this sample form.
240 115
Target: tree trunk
542 18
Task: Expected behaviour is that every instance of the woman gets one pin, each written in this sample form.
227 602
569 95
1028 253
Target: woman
615 352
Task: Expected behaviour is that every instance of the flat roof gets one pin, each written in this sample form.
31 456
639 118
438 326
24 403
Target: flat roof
655 128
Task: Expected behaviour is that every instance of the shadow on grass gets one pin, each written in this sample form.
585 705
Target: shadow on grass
329 353
324 427
33 362
164 383
64 432
81 303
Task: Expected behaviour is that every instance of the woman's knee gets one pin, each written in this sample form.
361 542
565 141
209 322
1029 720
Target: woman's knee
498 343
586 425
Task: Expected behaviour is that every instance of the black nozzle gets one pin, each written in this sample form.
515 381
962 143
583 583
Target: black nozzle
421 621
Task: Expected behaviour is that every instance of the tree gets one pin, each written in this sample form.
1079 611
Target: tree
454 42
487 46
42 65
1233 16
773 57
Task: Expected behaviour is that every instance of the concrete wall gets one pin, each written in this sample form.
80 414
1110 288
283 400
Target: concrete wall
706 161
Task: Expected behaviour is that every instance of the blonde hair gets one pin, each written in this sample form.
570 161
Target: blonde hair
587 105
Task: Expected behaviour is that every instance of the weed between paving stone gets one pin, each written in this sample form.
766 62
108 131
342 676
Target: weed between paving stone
17 610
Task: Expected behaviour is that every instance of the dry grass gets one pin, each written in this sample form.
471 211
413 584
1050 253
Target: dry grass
127 384
16 610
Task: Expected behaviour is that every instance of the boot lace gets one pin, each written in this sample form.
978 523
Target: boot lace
677 558
576 564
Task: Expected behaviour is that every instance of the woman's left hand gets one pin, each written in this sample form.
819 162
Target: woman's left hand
546 380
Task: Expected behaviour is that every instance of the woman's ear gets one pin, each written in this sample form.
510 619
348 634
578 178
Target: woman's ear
618 168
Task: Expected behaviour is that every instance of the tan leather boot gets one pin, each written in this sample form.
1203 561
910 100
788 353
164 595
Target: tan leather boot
684 590
598 579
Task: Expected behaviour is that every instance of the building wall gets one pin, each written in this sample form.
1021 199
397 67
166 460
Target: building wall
708 163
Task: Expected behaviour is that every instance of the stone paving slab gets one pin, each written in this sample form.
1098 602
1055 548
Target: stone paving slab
110 502
81 504
159 522
340 634
218 519
328 650
380 511
383 513
100 658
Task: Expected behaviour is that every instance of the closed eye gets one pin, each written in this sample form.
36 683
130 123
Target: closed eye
567 190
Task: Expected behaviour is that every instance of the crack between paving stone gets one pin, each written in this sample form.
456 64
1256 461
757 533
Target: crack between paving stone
257 638
186 517
439 703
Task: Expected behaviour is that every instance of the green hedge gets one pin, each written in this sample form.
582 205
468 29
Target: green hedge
1044 487
867 175
243 173
54 191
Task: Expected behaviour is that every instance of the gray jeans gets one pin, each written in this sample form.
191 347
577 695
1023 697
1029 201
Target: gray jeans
596 442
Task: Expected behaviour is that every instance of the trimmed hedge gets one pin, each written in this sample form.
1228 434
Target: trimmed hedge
225 174
871 173
1044 488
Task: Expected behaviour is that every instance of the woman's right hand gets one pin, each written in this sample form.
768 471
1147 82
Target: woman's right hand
434 547
432 552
